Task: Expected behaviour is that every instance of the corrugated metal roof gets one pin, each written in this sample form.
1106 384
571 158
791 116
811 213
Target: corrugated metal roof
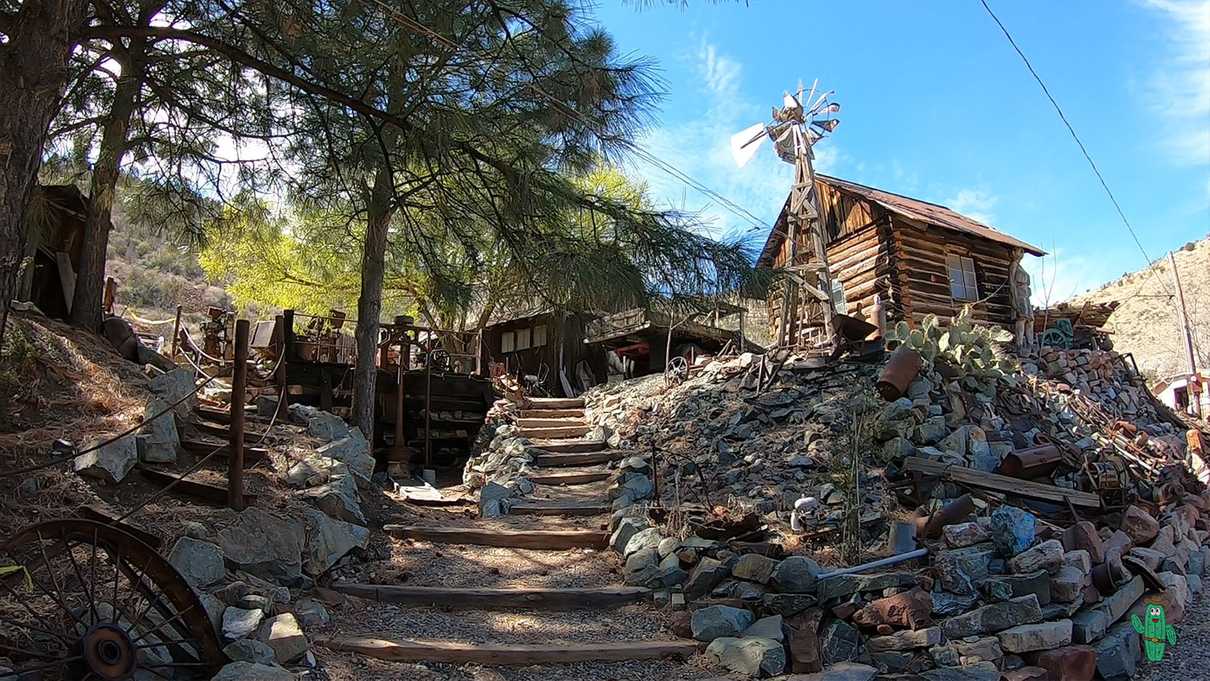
933 214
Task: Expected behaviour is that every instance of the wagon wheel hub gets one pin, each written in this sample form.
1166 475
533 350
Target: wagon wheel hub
108 652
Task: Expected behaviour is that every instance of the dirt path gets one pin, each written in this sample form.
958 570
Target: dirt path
426 564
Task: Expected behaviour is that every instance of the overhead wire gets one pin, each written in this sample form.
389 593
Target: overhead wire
1072 131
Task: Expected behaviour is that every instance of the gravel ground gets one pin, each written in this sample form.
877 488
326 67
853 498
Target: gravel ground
1189 659
341 667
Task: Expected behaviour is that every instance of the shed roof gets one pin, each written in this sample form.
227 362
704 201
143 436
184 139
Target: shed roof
932 214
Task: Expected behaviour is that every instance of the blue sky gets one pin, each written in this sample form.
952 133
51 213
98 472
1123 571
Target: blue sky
936 105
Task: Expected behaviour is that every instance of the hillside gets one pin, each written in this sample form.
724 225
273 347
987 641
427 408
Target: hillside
1146 323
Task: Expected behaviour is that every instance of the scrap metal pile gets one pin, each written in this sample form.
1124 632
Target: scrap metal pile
1054 502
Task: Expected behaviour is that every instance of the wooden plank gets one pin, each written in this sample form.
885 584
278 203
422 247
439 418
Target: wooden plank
1002 483
552 413
496 599
550 422
570 477
252 455
561 508
562 446
554 431
554 402
223 431
580 459
193 488
542 540
405 650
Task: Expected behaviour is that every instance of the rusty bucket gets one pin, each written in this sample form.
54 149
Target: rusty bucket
899 372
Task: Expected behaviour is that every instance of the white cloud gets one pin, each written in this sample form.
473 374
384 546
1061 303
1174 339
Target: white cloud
700 147
1061 276
1180 91
976 204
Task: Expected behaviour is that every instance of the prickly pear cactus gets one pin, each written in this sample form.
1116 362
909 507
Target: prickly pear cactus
969 348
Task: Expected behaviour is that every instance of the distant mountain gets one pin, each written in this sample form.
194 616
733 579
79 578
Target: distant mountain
1146 323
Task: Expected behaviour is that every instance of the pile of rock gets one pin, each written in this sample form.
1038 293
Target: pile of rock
1099 374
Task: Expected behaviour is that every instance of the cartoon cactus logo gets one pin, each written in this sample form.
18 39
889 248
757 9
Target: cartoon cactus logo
1155 631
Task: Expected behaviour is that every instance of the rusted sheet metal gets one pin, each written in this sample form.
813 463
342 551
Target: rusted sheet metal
902 367
952 513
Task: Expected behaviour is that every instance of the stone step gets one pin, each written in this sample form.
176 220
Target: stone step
554 403
558 507
524 423
552 413
566 446
580 458
553 432
453 652
496 599
542 540
576 476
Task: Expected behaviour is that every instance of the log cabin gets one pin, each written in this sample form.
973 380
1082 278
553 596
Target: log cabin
912 257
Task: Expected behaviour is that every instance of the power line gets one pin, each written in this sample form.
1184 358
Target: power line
1084 150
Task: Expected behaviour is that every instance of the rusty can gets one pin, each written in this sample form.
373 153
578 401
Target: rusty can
901 368
1031 463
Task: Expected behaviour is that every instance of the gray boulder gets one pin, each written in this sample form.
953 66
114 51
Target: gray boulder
240 622
718 621
311 613
111 462
753 657
796 574
353 451
327 427
160 438
265 545
313 469
249 650
328 540
249 671
842 671
284 636
338 498
199 562
174 385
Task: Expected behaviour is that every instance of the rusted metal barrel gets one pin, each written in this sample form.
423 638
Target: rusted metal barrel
1031 463
901 368
953 513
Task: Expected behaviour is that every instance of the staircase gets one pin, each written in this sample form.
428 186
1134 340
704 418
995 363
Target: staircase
490 578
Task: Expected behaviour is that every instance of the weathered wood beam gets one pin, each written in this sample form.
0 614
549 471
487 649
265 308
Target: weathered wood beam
404 650
496 599
542 540
1001 483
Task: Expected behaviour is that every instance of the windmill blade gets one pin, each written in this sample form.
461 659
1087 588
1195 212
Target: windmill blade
746 142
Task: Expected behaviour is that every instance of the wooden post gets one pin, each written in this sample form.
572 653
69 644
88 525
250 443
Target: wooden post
176 331
1183 315
279 332
239 383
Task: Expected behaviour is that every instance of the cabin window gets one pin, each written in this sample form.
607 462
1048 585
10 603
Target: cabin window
508 341
522 339
539 336
838 300
963 285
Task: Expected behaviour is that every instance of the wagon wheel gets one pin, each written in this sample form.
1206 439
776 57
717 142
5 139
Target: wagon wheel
677 371
81 600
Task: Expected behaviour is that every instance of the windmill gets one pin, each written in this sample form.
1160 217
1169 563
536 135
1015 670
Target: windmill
794 130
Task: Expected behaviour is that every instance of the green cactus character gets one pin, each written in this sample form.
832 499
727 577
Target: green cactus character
1155 631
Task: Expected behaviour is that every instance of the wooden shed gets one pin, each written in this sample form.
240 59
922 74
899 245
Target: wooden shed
548 345
55 224
917 257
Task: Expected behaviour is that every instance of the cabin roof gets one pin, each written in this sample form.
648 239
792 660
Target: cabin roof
933 214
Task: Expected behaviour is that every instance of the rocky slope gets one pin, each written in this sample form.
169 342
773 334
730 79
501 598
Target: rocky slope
1146 322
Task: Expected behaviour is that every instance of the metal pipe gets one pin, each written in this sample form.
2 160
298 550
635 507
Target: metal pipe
881 562
239 382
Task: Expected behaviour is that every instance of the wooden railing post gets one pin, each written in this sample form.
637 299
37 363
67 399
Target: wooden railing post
239 383
176 332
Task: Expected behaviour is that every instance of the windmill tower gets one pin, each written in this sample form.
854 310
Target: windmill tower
794 129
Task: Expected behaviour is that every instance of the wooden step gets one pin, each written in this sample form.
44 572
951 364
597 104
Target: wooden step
554 507
549 423
580 459
224 431
496 599
554 403
552 413
450 652
542 540
581 476
553 431
252 455
565 446
194 488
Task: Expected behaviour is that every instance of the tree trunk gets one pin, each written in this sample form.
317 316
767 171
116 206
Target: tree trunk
369 302
90 280
33 72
